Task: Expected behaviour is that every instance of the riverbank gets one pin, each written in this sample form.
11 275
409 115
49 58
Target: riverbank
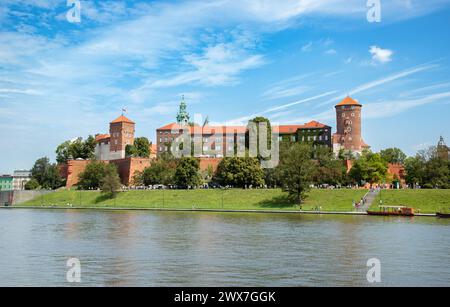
424 201
233 199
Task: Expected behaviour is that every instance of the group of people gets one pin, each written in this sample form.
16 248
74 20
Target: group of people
359 204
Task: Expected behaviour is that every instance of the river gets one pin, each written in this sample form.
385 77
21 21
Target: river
139 248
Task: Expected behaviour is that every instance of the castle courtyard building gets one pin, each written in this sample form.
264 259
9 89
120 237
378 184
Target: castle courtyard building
220 141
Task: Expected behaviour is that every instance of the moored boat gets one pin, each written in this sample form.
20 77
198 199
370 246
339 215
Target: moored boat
393 211
443 215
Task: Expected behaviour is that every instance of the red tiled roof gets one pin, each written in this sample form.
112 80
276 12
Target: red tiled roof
348 101
243 129
102 137
206 129
293 128
122 119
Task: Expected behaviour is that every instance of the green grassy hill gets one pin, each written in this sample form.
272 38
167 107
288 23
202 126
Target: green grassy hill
427 201
234 199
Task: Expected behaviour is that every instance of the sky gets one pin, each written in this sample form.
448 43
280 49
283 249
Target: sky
290 61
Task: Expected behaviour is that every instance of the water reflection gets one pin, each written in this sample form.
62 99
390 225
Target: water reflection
129 248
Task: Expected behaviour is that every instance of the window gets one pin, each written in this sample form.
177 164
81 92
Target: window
353 114
218 147
205 148
292 138
343 115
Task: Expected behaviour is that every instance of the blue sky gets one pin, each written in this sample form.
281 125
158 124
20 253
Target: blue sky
289 60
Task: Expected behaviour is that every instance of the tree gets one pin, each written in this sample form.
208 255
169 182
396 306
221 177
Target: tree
415 171
428 169
76 149
296 171
370 167
240 172
160 172
140 148
187 172
110 183
92 176
329 169
33 184
393 155
46 174
437 173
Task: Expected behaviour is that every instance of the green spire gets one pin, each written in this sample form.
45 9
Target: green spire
183 115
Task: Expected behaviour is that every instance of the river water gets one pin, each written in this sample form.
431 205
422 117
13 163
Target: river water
138 248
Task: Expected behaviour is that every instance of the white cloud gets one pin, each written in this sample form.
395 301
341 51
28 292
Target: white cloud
283 92
393 107
372 84
380 55
307 47
330 52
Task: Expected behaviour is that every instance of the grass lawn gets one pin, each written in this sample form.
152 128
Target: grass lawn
427 201
234 199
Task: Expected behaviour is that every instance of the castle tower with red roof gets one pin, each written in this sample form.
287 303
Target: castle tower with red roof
348 127
121 132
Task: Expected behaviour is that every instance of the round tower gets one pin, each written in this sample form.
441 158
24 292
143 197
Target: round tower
348 125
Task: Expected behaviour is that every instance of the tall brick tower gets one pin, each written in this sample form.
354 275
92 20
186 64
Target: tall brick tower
348 126
122 134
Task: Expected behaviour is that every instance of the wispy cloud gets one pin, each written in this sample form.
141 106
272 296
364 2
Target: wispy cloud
382 81
380 55
390 108
281 107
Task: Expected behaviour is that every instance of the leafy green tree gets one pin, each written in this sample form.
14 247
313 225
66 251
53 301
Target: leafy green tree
77 149
187 172
370 167
140 148
92 176
329 169
437 173
33 184
415 170
393 155
296 171
46 174
110 183
271 177
240 172
160 172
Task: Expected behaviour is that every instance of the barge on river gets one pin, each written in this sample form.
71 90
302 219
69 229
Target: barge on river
393 211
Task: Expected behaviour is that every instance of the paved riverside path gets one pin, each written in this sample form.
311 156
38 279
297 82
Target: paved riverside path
370 198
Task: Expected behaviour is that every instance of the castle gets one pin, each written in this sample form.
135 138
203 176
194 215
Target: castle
220 141
217 141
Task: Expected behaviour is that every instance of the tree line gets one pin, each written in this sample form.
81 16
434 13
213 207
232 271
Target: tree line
301 166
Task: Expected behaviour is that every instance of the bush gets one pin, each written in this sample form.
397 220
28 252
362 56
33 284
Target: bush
33 184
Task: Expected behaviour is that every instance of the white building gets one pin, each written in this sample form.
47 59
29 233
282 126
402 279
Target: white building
20 179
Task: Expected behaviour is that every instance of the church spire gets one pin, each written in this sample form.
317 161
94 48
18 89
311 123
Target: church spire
183 115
